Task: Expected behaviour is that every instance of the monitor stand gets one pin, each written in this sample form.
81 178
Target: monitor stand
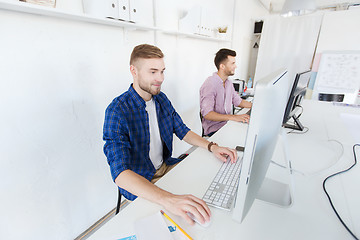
273 191
296 126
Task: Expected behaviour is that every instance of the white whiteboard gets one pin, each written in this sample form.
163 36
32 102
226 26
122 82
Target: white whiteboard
339 72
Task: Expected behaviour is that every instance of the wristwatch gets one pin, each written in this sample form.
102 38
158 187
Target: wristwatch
210 144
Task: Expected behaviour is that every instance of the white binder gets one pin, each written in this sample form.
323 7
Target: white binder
124 10
133 4
112 9
101 9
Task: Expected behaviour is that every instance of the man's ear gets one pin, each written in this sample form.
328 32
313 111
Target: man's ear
222 66
133 70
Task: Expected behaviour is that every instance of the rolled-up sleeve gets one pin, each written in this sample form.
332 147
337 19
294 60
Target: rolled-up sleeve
180 129
207 99
117 145
236 99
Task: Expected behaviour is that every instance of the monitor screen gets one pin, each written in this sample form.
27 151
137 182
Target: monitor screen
297 93
262 134
236 86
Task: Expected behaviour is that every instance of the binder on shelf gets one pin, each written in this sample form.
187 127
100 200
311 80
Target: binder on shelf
101 9
133 4
112 9
124 10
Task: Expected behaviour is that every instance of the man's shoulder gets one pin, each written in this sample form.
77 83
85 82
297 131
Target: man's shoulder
209 83
121 102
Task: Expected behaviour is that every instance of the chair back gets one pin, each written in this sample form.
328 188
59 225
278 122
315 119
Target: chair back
201 120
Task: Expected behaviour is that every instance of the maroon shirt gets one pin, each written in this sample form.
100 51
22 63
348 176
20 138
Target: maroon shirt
215 97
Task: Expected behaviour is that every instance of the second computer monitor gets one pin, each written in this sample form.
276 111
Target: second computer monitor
270 98
295 98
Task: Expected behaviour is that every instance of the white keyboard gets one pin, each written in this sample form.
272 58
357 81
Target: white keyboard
222 190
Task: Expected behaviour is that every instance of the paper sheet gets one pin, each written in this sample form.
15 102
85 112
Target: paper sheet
152 227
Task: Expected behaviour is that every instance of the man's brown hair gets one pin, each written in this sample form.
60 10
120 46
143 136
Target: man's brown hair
222 55
145 51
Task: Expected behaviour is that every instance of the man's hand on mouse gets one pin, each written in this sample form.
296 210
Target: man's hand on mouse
181 204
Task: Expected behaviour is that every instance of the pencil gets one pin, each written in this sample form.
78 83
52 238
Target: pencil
162 212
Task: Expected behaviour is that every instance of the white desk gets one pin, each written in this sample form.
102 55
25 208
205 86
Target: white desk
310 216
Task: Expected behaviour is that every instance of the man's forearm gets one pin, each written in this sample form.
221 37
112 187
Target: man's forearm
141 187
220 152
245 104
194 139
176 204
217 117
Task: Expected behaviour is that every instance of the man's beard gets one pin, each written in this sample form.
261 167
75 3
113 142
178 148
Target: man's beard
229 73
149 90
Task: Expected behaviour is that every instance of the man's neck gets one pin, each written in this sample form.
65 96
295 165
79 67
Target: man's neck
223 76
144 95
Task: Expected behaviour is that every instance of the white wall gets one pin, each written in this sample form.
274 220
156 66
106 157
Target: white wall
246 14
57 78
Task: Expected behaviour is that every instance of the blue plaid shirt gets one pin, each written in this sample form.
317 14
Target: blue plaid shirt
127 136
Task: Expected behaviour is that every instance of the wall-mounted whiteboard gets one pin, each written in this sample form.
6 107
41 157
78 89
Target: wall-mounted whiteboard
339 72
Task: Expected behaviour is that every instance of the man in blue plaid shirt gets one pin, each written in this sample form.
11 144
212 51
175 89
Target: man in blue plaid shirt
138 133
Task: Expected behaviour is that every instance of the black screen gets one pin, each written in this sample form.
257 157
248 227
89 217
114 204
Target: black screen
258 27
297 94
236 86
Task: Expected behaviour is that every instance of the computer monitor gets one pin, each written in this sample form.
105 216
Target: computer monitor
295 98
239 85
270 98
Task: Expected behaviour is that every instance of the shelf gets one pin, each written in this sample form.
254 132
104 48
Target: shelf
24 7
53 12
193 35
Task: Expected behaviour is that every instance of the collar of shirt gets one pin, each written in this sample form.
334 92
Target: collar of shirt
139 101
217 77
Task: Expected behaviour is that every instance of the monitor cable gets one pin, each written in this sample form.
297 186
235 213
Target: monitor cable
306 129
328 196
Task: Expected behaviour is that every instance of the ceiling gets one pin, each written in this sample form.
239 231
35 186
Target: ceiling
275 6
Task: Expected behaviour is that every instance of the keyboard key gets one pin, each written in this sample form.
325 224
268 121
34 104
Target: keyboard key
221 192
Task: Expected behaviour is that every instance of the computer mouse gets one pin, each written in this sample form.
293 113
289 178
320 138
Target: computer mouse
205 225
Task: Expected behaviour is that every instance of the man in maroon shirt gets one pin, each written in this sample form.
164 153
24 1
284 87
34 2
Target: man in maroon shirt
217 95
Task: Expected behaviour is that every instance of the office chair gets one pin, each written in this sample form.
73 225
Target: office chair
118 202
201 120
331 97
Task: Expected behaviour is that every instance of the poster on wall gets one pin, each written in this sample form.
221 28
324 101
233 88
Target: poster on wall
339 72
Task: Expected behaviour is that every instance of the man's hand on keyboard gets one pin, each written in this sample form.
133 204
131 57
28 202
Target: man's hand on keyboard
223 153
244 118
